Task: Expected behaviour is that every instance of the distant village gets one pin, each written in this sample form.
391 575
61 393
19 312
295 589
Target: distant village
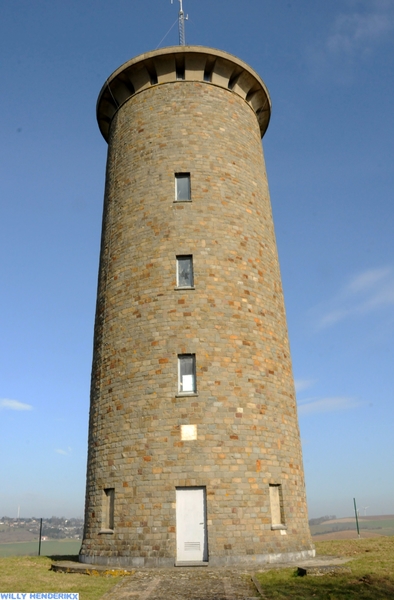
55 528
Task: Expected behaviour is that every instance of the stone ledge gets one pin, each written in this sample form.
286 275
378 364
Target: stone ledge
191 563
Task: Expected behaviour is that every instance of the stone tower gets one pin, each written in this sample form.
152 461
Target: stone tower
194 447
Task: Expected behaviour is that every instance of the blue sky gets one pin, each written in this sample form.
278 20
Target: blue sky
329 153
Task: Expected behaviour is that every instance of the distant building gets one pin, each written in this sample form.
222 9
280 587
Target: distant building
194 446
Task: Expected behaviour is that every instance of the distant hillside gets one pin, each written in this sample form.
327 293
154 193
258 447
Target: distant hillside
336 529
26 530
16 535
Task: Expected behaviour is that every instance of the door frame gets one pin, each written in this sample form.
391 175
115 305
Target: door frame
205 559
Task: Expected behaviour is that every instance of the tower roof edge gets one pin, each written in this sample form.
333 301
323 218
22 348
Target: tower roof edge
188 63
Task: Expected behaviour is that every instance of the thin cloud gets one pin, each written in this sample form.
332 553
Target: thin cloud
351 37
7 404
367 292
358 31
324 405
332 317
63 452
367 279
303 384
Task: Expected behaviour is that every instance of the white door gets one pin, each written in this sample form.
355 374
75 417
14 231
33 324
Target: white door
190 525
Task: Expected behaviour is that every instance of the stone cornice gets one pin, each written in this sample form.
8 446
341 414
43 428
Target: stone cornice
183 63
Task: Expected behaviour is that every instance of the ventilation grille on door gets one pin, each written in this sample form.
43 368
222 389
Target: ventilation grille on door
192 545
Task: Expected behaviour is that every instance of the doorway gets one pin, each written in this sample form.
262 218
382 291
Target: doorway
191 525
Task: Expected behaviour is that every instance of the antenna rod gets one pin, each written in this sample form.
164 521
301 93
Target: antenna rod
181 23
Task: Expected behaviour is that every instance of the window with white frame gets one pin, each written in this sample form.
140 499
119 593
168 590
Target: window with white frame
184 271
187 373
182 187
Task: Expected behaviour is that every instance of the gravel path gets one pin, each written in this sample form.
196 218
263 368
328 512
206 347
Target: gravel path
186 584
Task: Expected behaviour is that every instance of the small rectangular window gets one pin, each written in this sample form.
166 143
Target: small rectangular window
187 373
108 508
276 501
184 271
182 187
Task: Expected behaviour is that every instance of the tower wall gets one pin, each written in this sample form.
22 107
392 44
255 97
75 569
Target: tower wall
246 435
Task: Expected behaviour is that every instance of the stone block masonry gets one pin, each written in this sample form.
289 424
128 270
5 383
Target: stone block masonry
244 439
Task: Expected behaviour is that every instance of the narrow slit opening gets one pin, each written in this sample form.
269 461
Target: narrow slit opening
180 73
130 87
209 66
180 68
234 78
251 93
152 73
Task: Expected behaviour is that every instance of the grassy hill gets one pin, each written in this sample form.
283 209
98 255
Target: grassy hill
335 529
48 548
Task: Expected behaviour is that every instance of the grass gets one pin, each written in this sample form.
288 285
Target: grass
32 574
48 548
371 576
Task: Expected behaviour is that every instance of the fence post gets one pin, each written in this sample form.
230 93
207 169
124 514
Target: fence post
355 510
39 541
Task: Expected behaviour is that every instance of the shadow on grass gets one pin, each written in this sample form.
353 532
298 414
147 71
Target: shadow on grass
69 557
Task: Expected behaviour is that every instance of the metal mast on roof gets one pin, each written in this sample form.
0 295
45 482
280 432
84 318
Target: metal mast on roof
181 23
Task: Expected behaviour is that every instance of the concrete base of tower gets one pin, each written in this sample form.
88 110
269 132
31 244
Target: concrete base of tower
214 561
260 559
